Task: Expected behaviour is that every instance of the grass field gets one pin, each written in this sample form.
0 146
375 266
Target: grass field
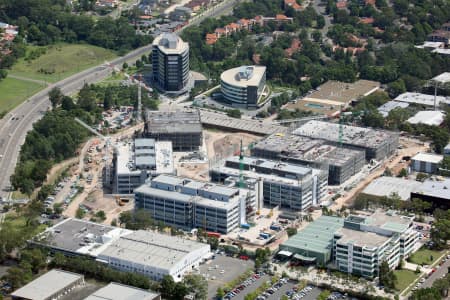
404 279
425 256
61 61
14 91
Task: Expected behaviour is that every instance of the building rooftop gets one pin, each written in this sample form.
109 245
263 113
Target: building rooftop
317 236
116 291
428 157
428 117
151 249
434 188
79 236
361 238
244 76
45 286
146 154
422 99
187 121
341 93
170 43
352 135
442 78
390 105
289 170
307 149
388 220
386 186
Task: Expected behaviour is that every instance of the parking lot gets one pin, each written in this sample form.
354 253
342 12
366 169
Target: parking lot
222 270
309 295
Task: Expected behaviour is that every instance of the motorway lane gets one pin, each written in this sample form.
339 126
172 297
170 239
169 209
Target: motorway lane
13 132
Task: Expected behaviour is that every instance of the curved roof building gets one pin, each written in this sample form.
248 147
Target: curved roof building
243 86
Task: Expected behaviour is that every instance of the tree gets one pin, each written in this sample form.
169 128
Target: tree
55 95
403 173
386 275
58 208
442 285
3 74
426 294
197 285
18 276
440 230
101 215
234 113
35 257
396 88
220 293
80 213
291 231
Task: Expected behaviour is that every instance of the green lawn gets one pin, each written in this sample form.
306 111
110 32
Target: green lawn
61 61
404 279
14 91
424 256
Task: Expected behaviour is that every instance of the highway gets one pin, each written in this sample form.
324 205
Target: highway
15 125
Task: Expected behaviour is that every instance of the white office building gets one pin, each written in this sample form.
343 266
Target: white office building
134 162
285 185
366 241
426 162
186 203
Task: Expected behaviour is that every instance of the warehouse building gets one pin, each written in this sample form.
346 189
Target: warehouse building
154 255
182 128
314 244
437 192
428 117
117 291
244 86
51 285
423 99
426 162
377 144
284 184
187 203
341 162
135 162
386 186
146 252
391 105
357 244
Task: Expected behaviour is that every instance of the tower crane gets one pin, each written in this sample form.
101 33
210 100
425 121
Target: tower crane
107 146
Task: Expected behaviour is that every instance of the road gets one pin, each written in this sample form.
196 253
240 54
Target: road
15 125
441 271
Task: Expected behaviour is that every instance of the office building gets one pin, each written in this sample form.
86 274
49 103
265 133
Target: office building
170 62
426 162
244 86
116 291
51 285
341 162
364 242
182 128
134 162
357 244
187 204
284 184
377 144
154 255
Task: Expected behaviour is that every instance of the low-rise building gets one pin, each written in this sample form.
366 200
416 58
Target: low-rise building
436 192
116 291
284 184
390 105
186 203
386 186
154 255
426 162
447 150
423 99
428 117
51 285
135 162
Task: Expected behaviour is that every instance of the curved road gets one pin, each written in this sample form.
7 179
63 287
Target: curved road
15 125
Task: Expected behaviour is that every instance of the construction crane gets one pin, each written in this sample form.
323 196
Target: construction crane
107 145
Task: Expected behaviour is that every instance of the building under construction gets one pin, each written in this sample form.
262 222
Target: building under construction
283 184
182 128
377 144
341 163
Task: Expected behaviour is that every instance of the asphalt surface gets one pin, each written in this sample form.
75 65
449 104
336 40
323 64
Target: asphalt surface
311 295
15 125
251 288
441 271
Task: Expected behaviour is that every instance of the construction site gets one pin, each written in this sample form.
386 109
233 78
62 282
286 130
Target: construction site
377 144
